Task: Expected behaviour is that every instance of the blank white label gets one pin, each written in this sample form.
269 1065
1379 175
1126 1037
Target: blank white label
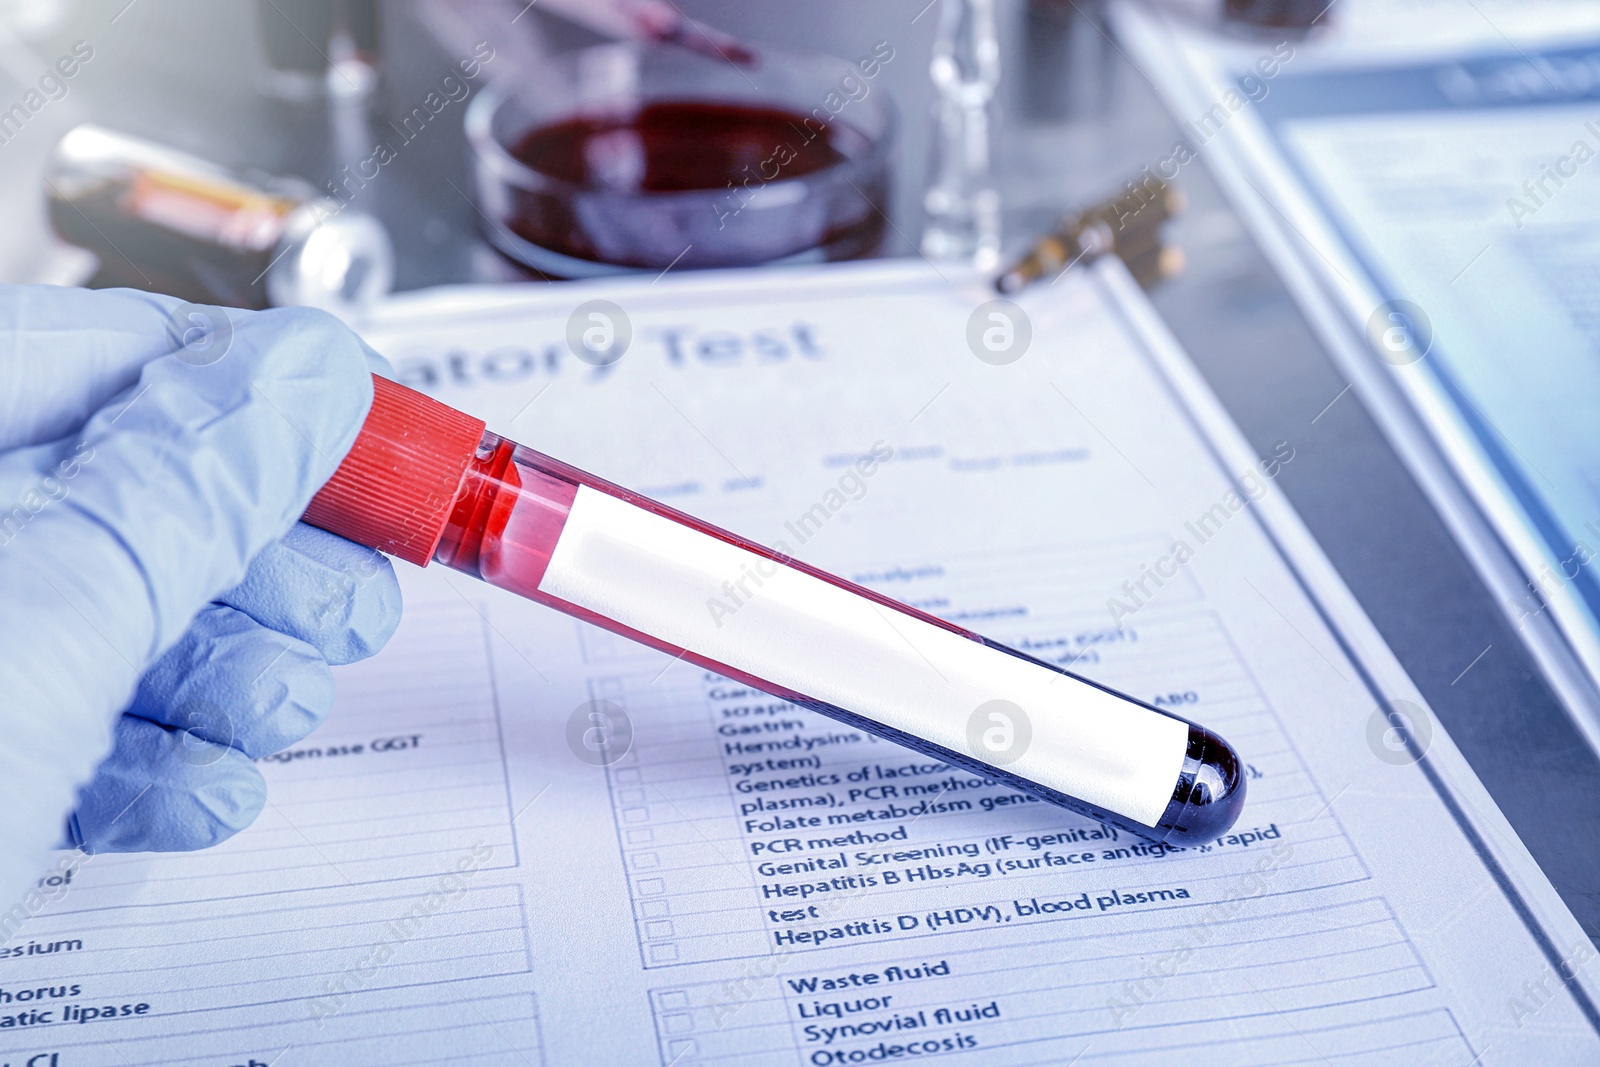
811 637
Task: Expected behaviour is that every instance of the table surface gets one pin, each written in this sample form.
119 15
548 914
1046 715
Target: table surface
185 71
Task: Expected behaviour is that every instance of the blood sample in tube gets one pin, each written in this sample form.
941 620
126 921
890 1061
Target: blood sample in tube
426 482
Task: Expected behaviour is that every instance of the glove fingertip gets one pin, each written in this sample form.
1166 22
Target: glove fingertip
376 619
377 362
338 596
233 803
162 791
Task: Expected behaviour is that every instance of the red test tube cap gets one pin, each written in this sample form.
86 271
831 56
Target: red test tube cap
395 488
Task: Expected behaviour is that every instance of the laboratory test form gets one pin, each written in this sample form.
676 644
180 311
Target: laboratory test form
523 839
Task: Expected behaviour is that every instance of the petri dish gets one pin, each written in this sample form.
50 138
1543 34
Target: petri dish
641 157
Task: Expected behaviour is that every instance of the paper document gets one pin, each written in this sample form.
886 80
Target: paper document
1441 184
523 840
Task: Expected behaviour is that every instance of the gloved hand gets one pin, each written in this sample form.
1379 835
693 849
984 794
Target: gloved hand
161 610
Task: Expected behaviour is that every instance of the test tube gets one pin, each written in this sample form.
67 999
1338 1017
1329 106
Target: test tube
187 227
426 482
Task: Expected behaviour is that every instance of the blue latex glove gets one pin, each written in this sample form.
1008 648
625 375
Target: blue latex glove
166 619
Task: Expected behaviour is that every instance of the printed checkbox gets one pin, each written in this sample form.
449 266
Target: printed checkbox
663 953
656 931
635 814
672 998
651 886
645 860
654 909
630 796
641 837
677 1023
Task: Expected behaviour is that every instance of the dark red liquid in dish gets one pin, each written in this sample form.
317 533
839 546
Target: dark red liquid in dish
673 147
698 179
